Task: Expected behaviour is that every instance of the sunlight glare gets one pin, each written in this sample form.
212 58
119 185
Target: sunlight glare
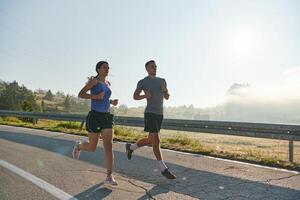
242 43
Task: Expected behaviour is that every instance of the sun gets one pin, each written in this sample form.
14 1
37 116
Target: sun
242 43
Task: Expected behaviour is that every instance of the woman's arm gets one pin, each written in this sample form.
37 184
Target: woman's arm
83 92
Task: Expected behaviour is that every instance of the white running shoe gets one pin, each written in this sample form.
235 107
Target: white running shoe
110 180
76 151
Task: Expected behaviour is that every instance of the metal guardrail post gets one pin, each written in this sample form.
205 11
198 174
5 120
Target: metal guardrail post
291 150
35 120
81 125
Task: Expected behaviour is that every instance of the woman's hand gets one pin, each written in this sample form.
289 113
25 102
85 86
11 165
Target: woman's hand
114 102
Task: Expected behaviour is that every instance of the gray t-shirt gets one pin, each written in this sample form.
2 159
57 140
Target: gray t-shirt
154 85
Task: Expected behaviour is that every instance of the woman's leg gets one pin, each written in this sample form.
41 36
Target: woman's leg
90 145
107 137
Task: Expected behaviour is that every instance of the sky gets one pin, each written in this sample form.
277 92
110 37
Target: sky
201 47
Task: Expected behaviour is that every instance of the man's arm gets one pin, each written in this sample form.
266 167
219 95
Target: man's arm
137 95
165 90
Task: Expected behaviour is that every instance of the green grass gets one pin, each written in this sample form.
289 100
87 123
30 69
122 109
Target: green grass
127 134
10 120
184 143
48 125
68 125
236 149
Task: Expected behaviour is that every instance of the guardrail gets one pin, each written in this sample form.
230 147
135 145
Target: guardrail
258 130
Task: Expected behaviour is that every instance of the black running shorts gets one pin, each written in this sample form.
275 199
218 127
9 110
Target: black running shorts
152 122
97 121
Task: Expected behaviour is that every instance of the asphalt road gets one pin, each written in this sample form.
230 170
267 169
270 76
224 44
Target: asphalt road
36 164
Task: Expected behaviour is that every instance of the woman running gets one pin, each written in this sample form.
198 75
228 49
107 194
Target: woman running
99 121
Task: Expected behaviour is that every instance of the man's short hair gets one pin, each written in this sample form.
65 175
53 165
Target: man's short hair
149 62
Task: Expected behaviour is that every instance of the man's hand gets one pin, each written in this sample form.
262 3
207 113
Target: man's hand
166 94
147 94
164 86
165 90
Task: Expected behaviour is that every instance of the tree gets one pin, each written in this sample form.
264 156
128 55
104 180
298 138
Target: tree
49 95
123 109
86 105
2 93
15 97
26 106
40 91
60 94
67 103
2 86
43 106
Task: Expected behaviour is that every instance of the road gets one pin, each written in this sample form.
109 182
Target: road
37 164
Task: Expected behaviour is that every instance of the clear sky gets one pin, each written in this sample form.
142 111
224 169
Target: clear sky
201 47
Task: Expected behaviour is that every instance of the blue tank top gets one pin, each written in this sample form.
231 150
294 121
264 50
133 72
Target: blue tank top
102 105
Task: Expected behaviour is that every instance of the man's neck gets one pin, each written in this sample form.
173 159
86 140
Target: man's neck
151 76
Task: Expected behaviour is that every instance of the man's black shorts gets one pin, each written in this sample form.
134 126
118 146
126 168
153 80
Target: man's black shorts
152 122
97 121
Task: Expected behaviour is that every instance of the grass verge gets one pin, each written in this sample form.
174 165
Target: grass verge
179 142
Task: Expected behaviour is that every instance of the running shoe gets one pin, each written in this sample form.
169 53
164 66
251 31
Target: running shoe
169 175
76 151
128 151
110 180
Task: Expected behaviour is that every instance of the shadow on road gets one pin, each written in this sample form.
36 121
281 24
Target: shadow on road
95 192
194 183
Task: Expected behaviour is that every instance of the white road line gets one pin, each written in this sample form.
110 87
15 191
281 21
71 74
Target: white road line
37 181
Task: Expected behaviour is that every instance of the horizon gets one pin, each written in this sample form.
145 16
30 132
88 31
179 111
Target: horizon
76 95
241 103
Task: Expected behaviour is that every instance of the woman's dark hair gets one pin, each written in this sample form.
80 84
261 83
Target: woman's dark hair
98 66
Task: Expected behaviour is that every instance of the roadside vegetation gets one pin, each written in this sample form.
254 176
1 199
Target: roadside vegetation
254 150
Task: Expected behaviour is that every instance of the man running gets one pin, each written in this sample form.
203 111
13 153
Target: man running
155 91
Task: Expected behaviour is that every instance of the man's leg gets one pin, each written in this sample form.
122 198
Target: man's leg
157 152
153 140
156 145
142 142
